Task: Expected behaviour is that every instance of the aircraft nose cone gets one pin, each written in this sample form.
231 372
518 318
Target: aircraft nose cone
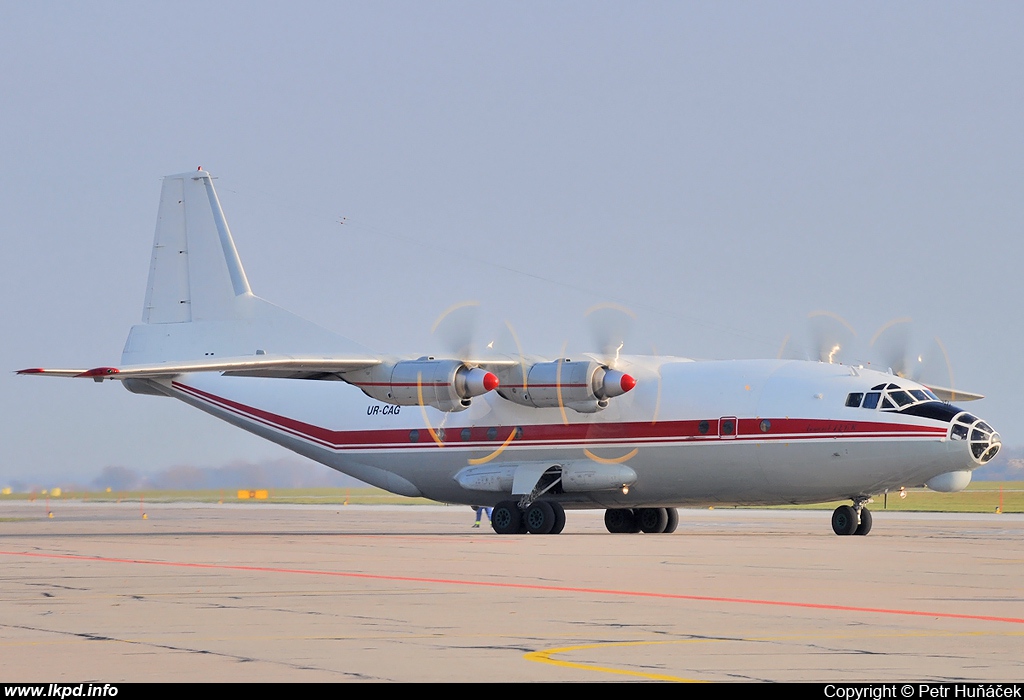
984 442
994 444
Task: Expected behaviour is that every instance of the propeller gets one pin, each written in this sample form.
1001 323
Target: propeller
891 348
890 345
828 338
832 338
610 326
456 328
929 365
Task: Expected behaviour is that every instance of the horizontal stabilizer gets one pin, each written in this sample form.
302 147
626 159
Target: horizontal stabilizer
40 371
264 366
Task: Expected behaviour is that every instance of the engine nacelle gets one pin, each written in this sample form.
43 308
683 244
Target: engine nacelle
448 385
584 386
576 477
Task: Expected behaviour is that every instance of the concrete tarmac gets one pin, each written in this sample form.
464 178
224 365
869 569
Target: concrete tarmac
261 592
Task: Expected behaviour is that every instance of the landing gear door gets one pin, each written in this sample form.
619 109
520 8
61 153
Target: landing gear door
527 476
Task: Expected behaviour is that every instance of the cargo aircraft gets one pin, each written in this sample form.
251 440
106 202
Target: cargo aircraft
638 436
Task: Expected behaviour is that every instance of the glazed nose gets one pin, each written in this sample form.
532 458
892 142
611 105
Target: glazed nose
984 442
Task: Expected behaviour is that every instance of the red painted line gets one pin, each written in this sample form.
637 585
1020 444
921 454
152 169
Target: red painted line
587 434
403 384
525 587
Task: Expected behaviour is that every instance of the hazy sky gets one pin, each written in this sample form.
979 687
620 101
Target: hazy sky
722 168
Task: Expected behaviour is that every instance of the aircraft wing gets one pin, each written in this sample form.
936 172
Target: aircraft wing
950 395
286 367
277 366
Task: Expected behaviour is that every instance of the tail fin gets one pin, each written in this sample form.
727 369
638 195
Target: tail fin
198 301
195 273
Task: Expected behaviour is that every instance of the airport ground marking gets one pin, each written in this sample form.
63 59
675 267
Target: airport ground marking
523 587
544 656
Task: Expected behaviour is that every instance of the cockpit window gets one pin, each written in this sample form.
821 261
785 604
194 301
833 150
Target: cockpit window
902 398
892 397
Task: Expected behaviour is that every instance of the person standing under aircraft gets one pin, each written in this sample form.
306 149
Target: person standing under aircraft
480 510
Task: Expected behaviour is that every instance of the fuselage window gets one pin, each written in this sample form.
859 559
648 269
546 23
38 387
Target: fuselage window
853 400
466 434
703 427
492 433
414 436
728 427
871 400
766 425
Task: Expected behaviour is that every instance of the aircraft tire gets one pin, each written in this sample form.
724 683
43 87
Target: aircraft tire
559 519
652 520
865 522
673 521
619 520
539 518
506 518
844 520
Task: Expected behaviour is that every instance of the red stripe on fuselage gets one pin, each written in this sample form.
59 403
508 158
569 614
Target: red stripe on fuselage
582 434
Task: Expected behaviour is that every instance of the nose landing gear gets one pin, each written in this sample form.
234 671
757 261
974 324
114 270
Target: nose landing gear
852 520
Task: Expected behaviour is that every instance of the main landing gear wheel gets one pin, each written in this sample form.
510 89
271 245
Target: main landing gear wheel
539 518
865 522
653 520
559 519
844 520
673 520
506 518
619 520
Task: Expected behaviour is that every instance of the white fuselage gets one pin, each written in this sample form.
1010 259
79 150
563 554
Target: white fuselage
795 440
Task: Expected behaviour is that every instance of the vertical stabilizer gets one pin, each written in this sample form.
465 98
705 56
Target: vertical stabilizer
198 302
195 273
